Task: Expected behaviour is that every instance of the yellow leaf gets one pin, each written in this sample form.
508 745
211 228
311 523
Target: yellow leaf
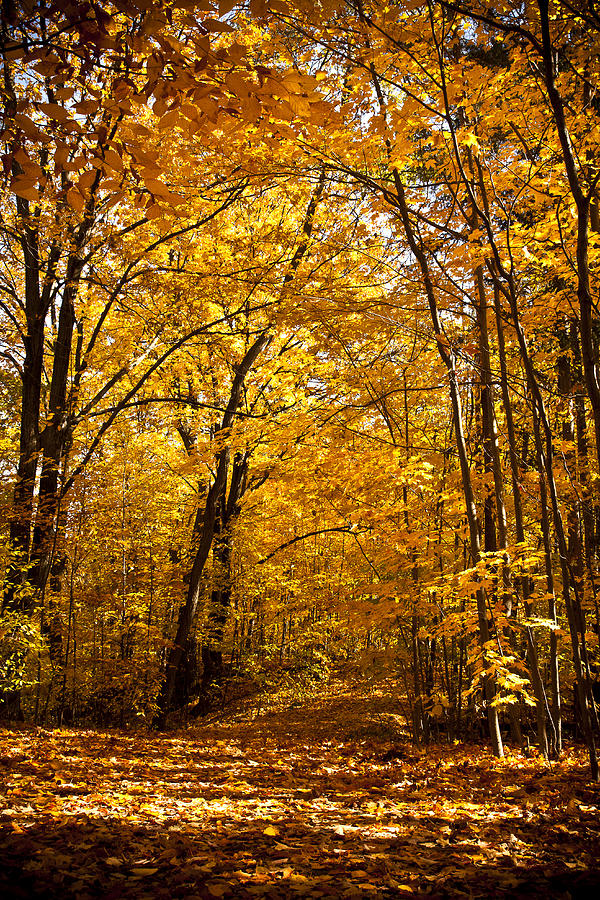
469 140
271 831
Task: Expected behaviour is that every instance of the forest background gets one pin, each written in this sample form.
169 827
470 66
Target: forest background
299 359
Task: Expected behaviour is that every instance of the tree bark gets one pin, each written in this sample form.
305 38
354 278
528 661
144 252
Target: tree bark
188 610
211 683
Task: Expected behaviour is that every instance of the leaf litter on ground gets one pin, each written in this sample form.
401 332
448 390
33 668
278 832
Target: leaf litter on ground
307 802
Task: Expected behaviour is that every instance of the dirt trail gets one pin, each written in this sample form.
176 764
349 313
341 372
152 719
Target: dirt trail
322 800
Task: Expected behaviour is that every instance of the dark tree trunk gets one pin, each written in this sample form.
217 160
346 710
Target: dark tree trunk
212 682
189 609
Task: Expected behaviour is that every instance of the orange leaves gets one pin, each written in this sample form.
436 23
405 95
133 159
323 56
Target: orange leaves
113 159
87 107
24 186
239 85
86 180
30 168
55 111
216 27
30 180
161 192
30 129
76 200
355 811
170 119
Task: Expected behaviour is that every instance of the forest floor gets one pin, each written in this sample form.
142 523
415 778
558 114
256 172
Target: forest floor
327 799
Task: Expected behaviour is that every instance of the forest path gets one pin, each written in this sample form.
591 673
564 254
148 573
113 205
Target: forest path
289 803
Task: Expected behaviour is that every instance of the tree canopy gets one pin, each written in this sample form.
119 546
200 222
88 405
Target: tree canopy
299 366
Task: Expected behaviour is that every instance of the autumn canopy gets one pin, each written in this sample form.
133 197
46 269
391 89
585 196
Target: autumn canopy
299 360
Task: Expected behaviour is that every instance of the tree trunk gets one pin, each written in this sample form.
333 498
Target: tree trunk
447 357
211 684
583 203
572 598
189 609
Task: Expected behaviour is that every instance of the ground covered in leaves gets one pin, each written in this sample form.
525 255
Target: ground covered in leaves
319 801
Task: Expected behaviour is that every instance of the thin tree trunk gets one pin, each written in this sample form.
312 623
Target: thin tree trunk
583 203
212 647
572 598
541 702
188 610
447 357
